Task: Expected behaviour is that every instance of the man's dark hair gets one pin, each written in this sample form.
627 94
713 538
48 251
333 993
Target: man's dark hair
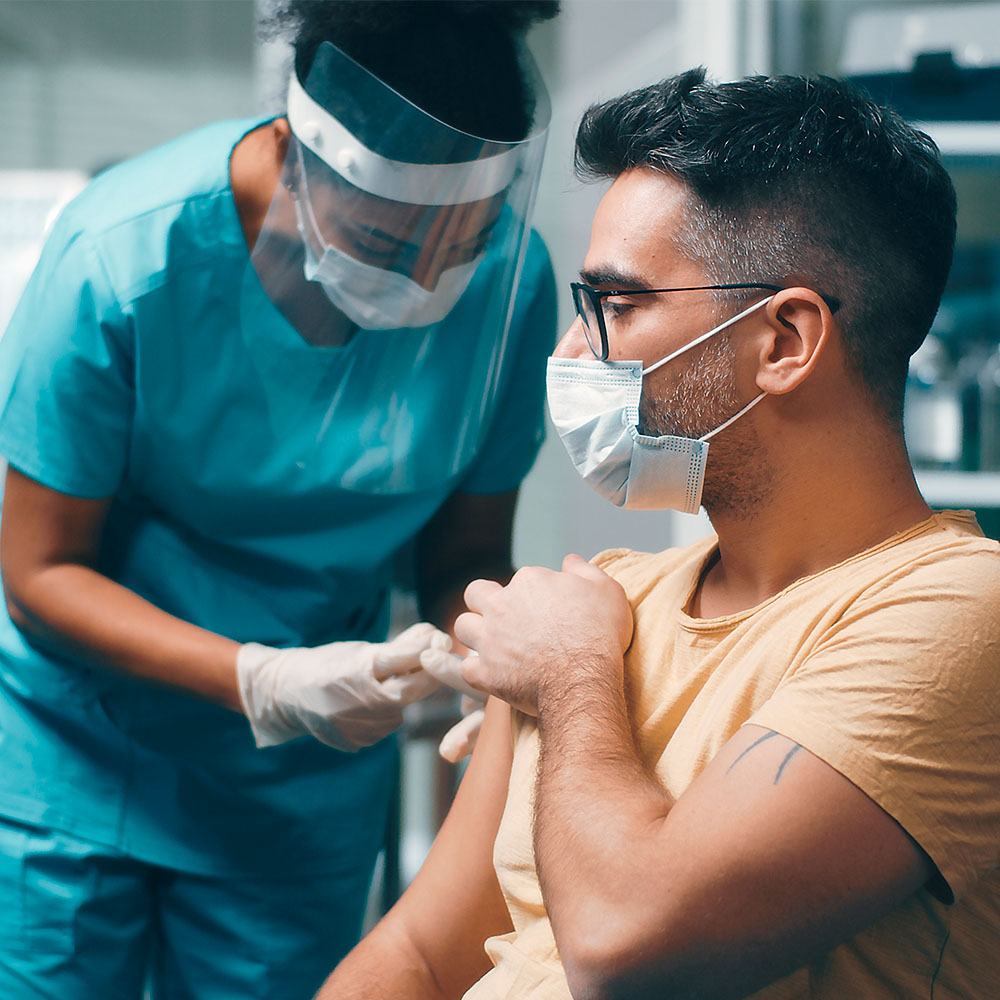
803 180
455 59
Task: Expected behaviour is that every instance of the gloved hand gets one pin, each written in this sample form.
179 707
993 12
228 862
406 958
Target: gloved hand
460 740
346 694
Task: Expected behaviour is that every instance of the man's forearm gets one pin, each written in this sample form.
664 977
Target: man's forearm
769 859
598 815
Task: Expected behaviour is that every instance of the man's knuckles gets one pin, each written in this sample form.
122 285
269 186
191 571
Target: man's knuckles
479 593
474 673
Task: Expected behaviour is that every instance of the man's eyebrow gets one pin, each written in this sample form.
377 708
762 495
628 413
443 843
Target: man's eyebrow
614 276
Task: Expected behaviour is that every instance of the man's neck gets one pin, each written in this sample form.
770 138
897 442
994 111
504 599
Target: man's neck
815 521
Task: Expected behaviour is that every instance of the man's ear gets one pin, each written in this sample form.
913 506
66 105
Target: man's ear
800 327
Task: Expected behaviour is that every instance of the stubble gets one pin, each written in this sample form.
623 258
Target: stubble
697 399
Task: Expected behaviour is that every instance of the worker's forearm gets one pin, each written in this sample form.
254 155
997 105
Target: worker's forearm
74 610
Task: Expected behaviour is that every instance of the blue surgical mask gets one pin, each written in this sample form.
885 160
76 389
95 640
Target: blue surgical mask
594 406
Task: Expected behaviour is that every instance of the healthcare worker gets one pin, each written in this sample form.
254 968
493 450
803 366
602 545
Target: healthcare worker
250 368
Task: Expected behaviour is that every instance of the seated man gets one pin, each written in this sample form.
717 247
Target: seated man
768 763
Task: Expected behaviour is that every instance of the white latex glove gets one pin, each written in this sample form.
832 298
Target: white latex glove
460 740
346 694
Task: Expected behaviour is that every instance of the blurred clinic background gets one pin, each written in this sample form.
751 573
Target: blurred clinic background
85 83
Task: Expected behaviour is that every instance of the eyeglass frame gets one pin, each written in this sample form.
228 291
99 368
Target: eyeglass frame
597 294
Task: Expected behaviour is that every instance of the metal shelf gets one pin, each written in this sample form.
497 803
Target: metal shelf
959 489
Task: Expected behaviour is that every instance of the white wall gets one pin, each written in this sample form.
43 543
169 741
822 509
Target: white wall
87 82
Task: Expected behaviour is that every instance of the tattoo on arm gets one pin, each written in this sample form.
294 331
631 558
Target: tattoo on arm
756 743
791 753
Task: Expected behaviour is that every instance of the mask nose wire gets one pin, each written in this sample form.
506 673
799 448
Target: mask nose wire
705 336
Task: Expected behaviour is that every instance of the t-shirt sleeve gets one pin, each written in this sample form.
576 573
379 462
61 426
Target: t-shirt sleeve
614 560
518 428
901 698
66 382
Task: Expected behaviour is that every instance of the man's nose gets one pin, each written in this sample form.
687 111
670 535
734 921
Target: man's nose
574 342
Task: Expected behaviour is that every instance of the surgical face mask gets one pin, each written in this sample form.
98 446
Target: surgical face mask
373 297
595 408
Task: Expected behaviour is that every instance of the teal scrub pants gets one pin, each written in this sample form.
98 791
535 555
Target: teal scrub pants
79 921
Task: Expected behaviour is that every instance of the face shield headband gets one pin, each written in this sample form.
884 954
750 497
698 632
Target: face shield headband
415 183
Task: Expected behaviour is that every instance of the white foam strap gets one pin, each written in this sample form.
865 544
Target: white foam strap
414 183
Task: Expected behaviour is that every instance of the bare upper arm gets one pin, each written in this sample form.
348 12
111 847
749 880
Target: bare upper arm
42 527
455 902
770 858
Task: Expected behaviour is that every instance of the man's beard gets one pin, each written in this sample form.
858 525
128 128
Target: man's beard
699 399
701 395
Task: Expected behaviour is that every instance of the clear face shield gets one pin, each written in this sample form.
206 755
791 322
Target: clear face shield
377 306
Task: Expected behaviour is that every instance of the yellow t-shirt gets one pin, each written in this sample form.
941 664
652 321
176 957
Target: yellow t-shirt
886 666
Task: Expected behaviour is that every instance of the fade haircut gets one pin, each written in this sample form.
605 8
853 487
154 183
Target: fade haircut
798 180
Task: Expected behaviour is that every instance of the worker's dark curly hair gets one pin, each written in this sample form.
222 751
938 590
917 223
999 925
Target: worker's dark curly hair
798 179
455 59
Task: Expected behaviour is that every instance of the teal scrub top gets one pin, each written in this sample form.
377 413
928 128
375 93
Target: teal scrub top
127 371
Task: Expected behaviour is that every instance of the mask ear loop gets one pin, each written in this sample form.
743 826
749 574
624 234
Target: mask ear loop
705 336
736 416
698 340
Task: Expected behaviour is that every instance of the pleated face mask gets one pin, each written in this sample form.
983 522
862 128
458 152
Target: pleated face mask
594 406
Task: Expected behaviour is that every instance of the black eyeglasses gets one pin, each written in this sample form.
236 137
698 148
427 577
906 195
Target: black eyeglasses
589 303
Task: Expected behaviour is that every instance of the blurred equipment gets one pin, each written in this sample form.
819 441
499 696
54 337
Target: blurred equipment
939 65
933 62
